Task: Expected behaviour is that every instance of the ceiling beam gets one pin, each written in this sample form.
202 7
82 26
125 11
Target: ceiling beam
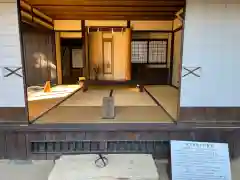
106 9
109 9
104 17
56 13
131 3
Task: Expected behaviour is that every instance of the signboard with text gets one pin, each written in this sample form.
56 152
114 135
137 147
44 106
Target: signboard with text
200 161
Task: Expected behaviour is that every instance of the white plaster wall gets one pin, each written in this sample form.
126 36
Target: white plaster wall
211 41
11 88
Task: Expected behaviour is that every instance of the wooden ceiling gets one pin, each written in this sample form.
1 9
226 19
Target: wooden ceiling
109 9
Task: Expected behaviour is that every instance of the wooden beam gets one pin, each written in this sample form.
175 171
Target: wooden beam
131 3
33 11
53 9
112 13
104 17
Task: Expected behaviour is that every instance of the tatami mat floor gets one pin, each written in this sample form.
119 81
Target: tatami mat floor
130 106
92 97
167 96
40 102
80 114
122 97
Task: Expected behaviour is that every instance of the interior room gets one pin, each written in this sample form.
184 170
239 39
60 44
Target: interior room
111 70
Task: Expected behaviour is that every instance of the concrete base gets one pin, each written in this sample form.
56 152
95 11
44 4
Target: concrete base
108 109
39 170
120 166
25 170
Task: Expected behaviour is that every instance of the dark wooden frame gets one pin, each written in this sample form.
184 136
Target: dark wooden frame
36 15
153 31
148 41
172 54
107 28
180 81
16 141
68 31
70 62
171 57
23 63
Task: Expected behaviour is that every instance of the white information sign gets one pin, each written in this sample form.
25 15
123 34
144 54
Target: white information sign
200 161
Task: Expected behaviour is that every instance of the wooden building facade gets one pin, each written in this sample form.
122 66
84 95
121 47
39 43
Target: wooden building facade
209 105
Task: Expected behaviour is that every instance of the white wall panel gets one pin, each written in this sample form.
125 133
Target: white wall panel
211 41
11 87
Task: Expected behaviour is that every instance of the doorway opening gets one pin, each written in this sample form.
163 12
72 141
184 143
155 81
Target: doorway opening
126 66
71 60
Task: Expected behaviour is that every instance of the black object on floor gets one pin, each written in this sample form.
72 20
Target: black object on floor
101 162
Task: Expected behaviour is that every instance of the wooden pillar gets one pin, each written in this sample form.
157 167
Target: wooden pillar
171 59
95 54
58 57
87 75
128 32
83 28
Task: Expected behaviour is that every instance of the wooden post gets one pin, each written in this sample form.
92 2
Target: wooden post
128 65
84 48
58 57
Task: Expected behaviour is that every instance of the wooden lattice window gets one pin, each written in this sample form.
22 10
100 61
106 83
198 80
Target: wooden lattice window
149 51
139 51
157 52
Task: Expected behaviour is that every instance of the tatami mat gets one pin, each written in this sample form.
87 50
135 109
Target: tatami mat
40 102
92 97
36 108
131 106
122 97
59 91
66 114
167 96
132 97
